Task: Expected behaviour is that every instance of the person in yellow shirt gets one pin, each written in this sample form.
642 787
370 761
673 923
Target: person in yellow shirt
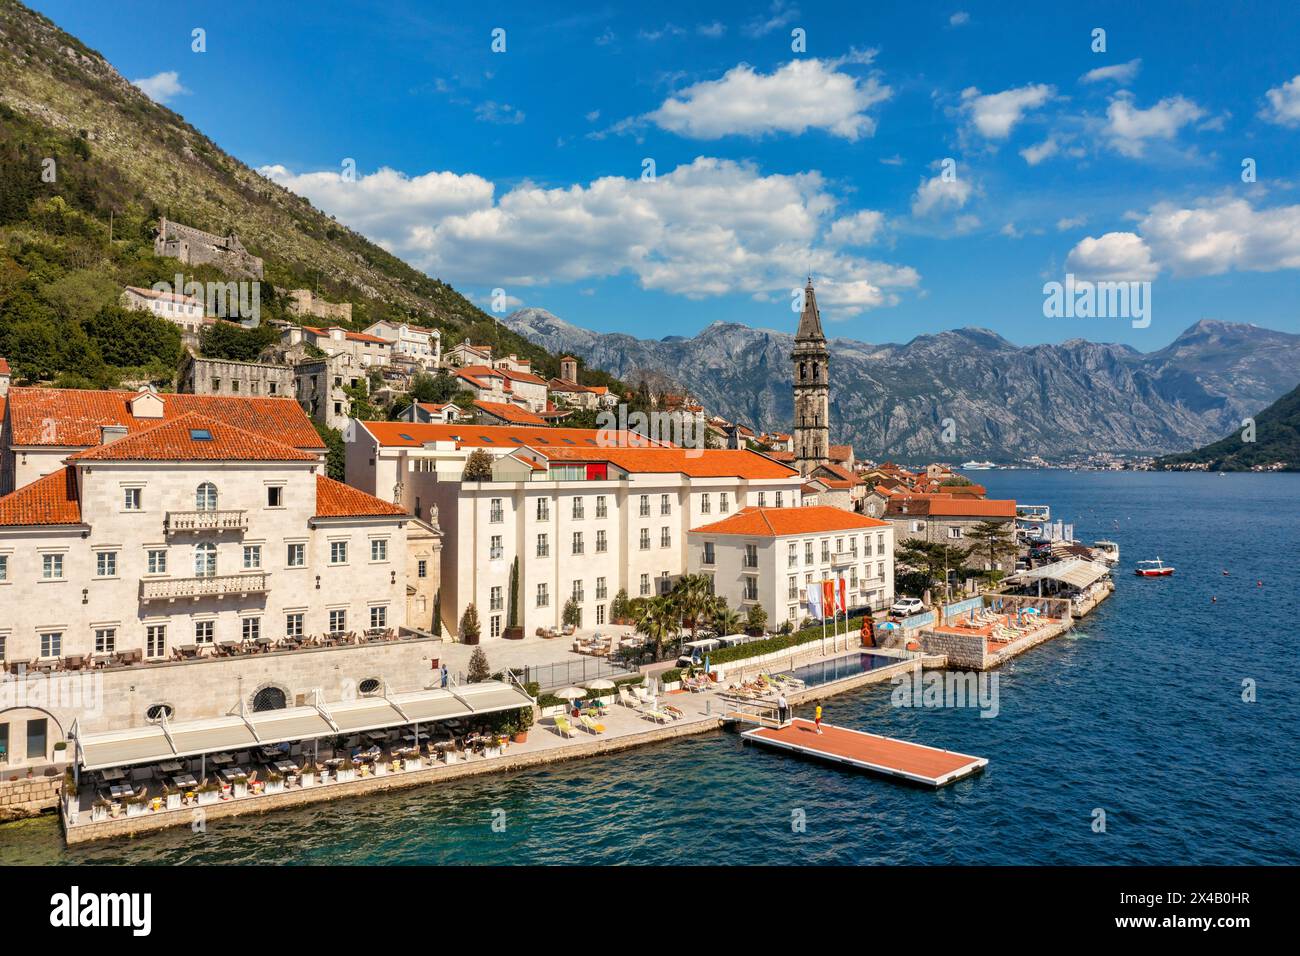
817 718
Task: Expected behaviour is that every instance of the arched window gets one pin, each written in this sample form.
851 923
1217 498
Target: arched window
368 686
205 498
155 713
803 370
205 560
269 698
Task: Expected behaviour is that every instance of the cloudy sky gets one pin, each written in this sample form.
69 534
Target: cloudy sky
654 169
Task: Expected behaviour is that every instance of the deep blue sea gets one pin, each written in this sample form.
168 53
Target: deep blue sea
1138 713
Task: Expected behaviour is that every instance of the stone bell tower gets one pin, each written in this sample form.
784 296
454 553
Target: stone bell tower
811 387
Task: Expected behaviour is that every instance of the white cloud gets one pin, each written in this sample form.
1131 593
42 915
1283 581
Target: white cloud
779 14
1221 235
860 229
803 94
1036 154
1130 128
1070 222
667 30
606 38
995 114
940 195
712 30
1121 73
593 116
1010 231
491 111
711 227
1284 103
1116 256
161 87
958 19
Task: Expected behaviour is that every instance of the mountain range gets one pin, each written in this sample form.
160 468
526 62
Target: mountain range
991 398
1269 441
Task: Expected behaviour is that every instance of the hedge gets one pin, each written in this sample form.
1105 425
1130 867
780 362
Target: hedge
550 700
771 645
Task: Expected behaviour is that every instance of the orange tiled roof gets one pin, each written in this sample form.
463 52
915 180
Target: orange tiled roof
194 437
511 414
839 452
692 462
946 506
840 472
51 499
777 522
72 418
469 435
482 371
353 336
4 366
337 500
168 296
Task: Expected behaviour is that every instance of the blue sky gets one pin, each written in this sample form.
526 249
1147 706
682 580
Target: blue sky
524 170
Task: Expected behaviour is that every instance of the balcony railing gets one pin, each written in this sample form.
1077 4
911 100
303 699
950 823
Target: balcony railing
167 589
206 521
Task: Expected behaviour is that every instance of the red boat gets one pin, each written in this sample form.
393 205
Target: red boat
1153 569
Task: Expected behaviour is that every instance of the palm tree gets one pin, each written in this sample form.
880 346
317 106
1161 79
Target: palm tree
726 620
657 621
692 597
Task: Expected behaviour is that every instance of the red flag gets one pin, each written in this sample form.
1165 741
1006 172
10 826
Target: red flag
828 596
844 607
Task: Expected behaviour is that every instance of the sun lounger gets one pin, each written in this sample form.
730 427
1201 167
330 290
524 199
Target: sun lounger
626 699
676 713
564 727
591 725
658 716
643 695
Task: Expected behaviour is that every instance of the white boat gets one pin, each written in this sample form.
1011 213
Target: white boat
1153 569
1108 551
977 466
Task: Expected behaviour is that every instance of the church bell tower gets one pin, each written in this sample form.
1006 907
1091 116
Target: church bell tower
811 387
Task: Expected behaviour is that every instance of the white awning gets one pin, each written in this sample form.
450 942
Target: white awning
704 644
152 744
1075 572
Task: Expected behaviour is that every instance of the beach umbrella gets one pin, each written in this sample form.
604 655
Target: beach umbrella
602 684
571 693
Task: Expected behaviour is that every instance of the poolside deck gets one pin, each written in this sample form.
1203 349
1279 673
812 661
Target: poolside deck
915 763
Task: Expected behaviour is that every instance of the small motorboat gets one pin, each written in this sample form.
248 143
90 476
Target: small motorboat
1108 551
1153 569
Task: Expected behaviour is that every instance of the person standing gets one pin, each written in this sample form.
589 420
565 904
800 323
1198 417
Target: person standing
444 675
817 718
782 709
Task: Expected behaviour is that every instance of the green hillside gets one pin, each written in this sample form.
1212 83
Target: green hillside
1276 446
119 161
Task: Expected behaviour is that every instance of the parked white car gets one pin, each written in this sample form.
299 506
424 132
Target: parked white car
905 607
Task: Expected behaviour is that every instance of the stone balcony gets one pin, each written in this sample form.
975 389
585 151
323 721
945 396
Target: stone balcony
206 521
170 589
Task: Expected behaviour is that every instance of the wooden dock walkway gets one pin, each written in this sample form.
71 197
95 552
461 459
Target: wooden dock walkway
916 763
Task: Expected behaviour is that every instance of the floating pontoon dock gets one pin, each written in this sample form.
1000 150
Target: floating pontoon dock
916 763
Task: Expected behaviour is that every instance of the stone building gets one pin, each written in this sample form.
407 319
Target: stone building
946 519
811 360
305 302
418 345
205 376
196 247
5 377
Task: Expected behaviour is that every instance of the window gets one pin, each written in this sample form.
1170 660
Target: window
602 590
379 616
274 496
578 512
577 542
665 505
106 564
155 640
338 552
645 506
751 588
296 556
780 502
880 543
379 549
543 546
751 555
665 537
494 625
807 552
205 560
665 585
495 549
204 631
293 624
269 698
51 567
131 499
723 504
645 539
205 497
36 738
543 597
252 629
543 509
708 552
762 499
602 542
792 558
494 599
422 568
577 592
954 532
4 567
495 512
826 550
645 585
252 557
105 640
157 713
705 506
52 644
600 614
792 590
156 561
602 507
338 620
866 545
880 570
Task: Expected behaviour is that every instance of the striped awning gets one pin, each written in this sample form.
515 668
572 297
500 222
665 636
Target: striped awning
1075 572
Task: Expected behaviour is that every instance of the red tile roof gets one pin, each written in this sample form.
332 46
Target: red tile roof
4 366
840 472
72 418
946 506
693 462
194 437
784 456
352 336
337 500
839 452
469 435
51 499
511 414
777 522
482 371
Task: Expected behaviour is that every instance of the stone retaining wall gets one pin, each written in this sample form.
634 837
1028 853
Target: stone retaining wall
28 796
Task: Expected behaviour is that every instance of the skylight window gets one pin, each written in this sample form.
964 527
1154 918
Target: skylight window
487 440
404 435
568 441
200 434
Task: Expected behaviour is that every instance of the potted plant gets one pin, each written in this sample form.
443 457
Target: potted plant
239 787
309 775
72 806
523 722
346 772
274 781
470 629
381 768
98 811
209 792
513 632
136 805
173 797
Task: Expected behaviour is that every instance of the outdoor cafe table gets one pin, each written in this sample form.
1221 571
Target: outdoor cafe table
120 790
112 774
230 774
171 766
184 781
220 760
377 736
286 766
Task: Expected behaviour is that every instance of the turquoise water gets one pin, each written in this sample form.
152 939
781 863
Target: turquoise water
1137 713
837 667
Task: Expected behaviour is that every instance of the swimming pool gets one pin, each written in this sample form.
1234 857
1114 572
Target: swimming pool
858 662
